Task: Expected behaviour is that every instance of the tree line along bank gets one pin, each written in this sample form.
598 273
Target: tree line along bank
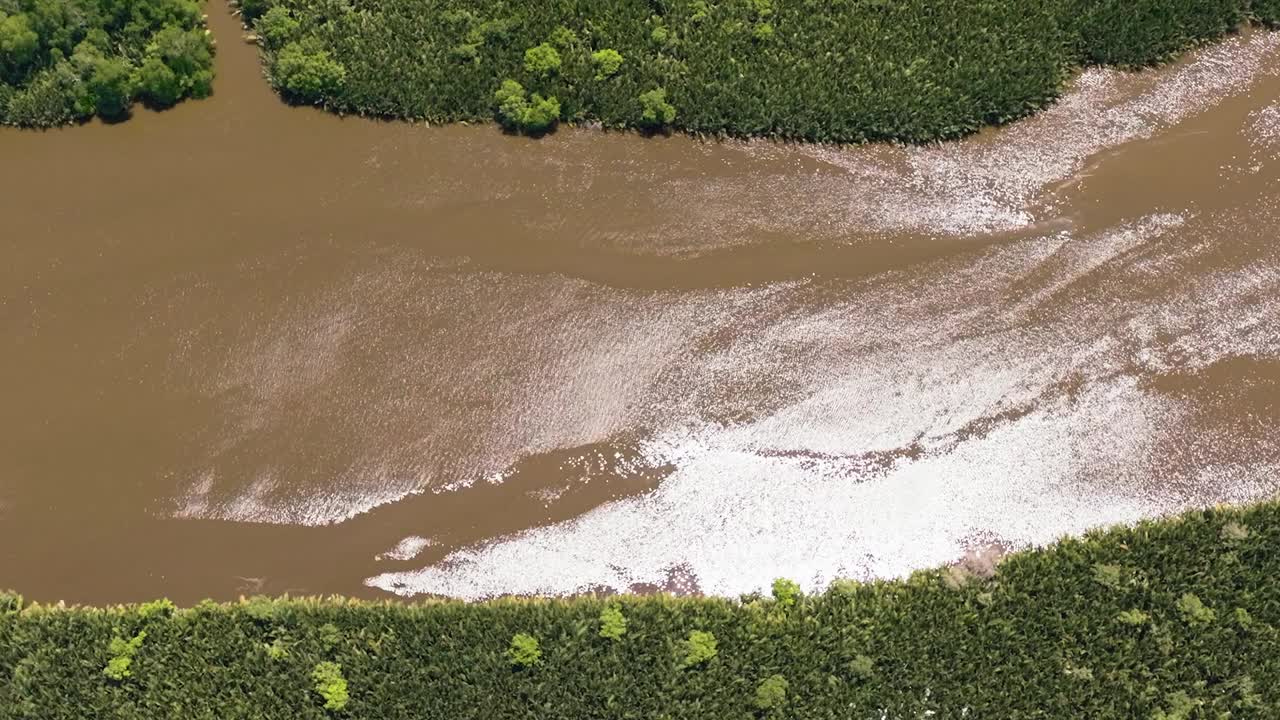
819 70
1170 619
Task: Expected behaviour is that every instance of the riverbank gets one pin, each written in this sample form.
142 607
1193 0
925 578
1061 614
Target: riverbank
829 72
1164 619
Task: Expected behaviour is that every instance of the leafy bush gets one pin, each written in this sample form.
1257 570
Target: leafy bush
699 648
63 61
277 27
330 685
612 623
158 84
771 693
542 60
517 111
122 653
1049 641
786 592
656 111
607 61
524 650
308 74
110 86
1194 610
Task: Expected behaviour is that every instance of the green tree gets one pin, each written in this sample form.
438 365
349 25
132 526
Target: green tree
656 112
513 102
189 54
18 46
541 115
307 73
157 84
542 60
110 85
607 61
277 26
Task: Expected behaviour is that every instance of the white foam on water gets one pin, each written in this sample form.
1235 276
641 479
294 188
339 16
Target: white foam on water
407 549
734 518
992 183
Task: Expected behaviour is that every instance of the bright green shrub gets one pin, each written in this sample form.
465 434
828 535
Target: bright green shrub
699 648
524 650
330 685
607 61
656 112
517 111
786 592
612 623
771 693
542 60
513 103
541 115
122 654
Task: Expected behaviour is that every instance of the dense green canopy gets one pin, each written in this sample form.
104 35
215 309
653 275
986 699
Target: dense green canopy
827 70
66 60
1170 619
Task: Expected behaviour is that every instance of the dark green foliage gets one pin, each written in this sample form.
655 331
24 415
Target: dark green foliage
157 84
1133 33
1043 638
110 87
277 27
1267 12
826 70
63 61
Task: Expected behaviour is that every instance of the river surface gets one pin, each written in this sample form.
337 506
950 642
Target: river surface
249 348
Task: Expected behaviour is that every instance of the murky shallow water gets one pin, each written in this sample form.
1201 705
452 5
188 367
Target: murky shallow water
253 348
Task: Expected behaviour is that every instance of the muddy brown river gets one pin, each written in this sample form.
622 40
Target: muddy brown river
249 348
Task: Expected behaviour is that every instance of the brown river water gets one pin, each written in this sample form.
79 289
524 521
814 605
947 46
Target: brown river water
251 348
